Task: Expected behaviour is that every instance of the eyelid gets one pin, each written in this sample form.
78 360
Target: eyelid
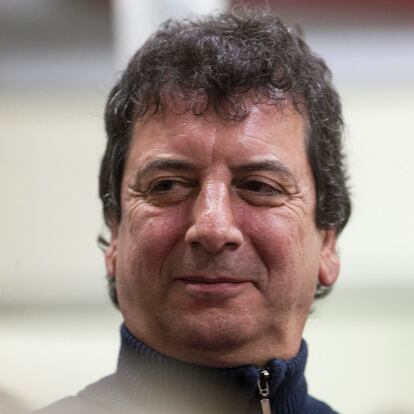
144 185
181 188
262 180
174 179
275 196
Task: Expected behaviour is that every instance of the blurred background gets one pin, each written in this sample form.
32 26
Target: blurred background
58 59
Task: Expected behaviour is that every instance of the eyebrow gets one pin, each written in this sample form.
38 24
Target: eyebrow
181 165
266 165
165 165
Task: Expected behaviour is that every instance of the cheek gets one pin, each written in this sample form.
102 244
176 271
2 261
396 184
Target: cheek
274 236
149 235
282 243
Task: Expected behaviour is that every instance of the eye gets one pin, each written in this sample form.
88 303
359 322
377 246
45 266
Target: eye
167 191
164 186
259 187
261 192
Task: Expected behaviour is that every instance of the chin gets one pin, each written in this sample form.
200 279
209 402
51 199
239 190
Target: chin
214 331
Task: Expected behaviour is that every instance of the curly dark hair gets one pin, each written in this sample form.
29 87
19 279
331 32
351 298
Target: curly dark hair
212 63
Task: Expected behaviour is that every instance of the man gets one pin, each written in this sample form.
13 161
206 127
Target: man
224 191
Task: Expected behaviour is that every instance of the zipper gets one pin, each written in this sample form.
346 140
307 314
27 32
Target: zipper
264 391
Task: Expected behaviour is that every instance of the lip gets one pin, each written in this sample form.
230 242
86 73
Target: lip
213 286
211 279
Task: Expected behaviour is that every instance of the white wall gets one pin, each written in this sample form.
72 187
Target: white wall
50 146
378 247
135 20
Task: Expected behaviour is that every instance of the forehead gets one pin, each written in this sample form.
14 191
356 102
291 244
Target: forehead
268 131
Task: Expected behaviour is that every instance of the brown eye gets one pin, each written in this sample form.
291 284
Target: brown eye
258 192
259 187
169 191
165 186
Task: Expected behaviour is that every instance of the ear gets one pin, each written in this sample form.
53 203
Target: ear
329 263
111 252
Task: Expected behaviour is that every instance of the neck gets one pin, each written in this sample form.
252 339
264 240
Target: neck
222 353
141 366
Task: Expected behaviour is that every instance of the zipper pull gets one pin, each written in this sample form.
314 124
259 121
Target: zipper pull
263 386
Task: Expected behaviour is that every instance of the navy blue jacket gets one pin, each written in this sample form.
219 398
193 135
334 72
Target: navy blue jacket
147 382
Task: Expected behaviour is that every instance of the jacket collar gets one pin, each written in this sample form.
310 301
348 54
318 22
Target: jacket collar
148 375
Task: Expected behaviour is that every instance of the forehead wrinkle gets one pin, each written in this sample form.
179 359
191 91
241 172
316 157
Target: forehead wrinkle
203 129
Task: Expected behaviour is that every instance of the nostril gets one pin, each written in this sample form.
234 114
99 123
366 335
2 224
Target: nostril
196 244
213 246
213 227
231 246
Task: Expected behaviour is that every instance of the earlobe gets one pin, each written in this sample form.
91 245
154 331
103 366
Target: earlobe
329 263
110 259
111 253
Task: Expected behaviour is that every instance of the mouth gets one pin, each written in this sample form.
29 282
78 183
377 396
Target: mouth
209 280
213 286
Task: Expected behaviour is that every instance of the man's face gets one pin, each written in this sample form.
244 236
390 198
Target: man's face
217 255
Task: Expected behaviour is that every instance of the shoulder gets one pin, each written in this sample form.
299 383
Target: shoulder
101 397
314 406
73 404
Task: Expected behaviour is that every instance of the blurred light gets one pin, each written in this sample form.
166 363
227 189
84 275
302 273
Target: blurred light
135 20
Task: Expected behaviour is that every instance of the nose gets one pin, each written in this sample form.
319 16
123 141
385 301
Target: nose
213 226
